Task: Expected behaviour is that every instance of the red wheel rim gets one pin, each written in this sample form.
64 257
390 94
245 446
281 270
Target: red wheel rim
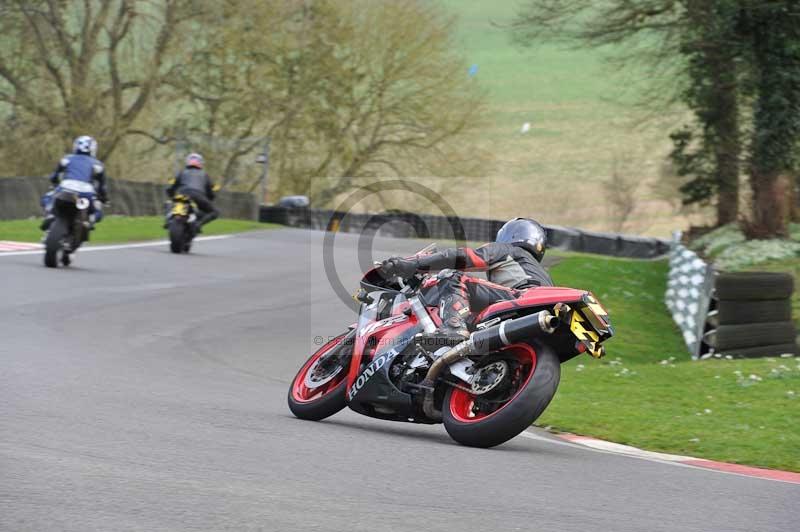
462 403
302 393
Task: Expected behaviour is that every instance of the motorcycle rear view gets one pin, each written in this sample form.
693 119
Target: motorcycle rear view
181 225
71 205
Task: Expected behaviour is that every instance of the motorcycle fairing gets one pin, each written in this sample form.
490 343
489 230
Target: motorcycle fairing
373 393
384 329
533 297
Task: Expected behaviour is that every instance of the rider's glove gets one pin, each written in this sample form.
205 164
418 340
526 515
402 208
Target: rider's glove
399 266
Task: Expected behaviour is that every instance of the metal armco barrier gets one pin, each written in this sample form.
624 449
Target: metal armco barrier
19 198
412 225
744 314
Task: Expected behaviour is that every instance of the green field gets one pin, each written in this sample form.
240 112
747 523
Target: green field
647 392
583 124
115 229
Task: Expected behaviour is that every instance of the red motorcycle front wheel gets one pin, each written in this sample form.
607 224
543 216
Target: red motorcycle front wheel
526 380
318 390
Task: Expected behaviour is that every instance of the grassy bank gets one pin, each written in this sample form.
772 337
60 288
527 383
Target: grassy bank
123 229
647 392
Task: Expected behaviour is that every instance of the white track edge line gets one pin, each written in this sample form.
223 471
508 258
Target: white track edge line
117 246
576 444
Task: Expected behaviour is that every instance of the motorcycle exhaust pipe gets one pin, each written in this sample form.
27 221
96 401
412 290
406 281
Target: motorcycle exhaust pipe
513 331
482 342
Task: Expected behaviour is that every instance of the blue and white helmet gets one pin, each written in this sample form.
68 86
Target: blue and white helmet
85 145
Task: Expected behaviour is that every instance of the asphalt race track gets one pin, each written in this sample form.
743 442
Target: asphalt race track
141 390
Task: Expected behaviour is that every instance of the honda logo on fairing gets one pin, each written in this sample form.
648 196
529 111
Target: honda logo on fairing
369 371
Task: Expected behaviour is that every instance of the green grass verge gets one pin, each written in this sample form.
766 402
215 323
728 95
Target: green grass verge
647 392
124 229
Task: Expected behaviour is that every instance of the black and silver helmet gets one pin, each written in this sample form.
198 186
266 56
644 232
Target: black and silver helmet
525 233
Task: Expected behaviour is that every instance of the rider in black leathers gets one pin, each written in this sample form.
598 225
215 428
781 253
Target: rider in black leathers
195 183
512 264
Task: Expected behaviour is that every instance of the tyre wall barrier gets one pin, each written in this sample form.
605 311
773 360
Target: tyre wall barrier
412 225
19 198
751 315
747 314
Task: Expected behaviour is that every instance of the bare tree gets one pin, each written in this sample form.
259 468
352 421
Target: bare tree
78 67
404 104
343 90
233 87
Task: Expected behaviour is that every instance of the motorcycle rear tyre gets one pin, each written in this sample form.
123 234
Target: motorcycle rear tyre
515 416
52 244
187 238
177 232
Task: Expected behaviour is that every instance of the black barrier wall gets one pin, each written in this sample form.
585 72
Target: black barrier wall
411 225
19 198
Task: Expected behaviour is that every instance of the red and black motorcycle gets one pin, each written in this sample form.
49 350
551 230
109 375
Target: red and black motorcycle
485 390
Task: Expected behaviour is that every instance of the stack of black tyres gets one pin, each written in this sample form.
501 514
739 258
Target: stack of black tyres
753 315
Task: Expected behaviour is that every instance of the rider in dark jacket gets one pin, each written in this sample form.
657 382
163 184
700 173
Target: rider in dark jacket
195 183
512 264
81 165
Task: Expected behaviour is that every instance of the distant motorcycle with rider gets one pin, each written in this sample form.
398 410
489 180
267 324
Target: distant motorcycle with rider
75 204
191 193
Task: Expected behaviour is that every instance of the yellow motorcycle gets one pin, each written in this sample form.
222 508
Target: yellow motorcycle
182 223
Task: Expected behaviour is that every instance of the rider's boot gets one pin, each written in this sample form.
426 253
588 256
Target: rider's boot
453 330
203 220
451 333
47 222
